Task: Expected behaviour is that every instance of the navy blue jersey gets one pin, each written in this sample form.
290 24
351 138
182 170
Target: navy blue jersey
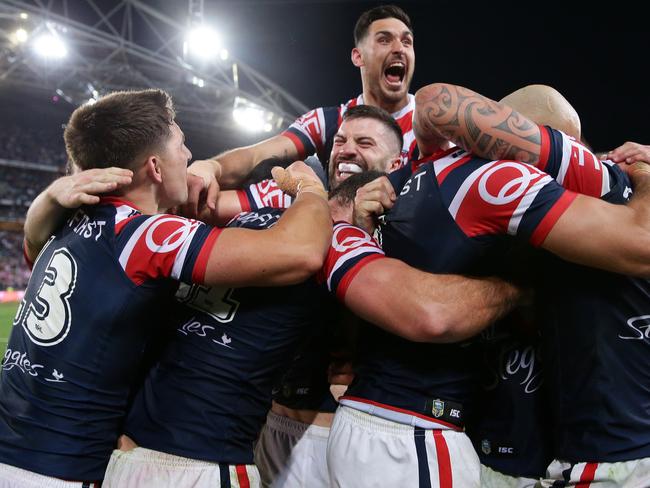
509 422
208 396
452 215
313 132
79 334
596 344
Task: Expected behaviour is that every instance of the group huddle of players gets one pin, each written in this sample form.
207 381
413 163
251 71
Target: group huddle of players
460 304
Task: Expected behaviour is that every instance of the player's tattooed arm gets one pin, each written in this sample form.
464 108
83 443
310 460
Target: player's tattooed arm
477 124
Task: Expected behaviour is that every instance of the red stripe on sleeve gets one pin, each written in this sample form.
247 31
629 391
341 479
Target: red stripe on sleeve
345 282
29 262
243 200
552 217
545 148
296 142
588 475
242 476
445 478
198 273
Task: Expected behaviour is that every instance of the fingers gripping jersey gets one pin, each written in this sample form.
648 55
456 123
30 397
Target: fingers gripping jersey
313 132
79 333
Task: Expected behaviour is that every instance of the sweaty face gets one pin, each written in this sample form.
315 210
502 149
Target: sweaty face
387 60
360 145
174 159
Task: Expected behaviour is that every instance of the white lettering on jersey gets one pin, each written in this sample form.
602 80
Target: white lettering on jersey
409 182
47 317
85 227
16 359
641 327
214 301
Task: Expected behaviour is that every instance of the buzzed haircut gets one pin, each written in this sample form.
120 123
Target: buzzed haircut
378 13
118 128
347 190
377 113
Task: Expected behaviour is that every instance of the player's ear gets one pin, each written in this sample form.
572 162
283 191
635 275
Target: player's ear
395 164
153 168
357 58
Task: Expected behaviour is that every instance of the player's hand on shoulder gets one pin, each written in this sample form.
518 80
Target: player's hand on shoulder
202 187
372 200
298 178
84 187
630 153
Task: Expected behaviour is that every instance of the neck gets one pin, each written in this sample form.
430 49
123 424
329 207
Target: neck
143 195
340 213
377 101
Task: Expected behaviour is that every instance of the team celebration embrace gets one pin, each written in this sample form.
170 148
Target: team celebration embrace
404 290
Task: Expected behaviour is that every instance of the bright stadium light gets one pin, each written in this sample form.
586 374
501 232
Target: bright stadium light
24 15
50 46
223 54
20 35
252 117
202 42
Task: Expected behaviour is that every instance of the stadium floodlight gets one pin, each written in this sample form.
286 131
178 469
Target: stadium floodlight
252 117
24 15
202 42
20 35
223 54
50 45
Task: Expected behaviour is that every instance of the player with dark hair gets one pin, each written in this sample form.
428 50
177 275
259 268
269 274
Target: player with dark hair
384 54
452 215
102 281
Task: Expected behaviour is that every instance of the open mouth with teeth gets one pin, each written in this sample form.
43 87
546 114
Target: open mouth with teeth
347 169
394 73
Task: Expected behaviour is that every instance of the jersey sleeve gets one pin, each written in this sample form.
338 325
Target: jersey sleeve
572 164
505 197
263 194
351 249
165 246
312 131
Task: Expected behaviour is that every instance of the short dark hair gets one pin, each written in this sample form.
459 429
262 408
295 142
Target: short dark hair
378 13
118 128
377 113
347 190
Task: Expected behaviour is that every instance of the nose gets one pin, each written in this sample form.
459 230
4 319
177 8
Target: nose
397 46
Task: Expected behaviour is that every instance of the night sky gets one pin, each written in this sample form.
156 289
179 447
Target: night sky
597 59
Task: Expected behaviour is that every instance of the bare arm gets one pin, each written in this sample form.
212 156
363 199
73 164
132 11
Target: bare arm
611 237
477 124
425 307
49 209
287 253
232 167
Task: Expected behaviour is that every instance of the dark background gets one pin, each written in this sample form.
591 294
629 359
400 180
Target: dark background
596 57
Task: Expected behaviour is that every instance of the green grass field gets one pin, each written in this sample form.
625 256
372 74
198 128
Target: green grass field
7 312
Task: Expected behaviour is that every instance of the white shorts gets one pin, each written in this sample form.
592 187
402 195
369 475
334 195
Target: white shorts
626 474
291 454
365 451
13 477
144 468
495 479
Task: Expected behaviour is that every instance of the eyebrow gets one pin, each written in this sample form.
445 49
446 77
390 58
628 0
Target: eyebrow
389 33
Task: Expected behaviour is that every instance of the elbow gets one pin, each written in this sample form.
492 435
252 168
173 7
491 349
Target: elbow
433 324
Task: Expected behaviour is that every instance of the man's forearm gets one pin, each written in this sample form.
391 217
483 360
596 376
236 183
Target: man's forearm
44 216
477 124
425 307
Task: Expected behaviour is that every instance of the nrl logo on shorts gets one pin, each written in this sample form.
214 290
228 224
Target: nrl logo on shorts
438 408
486 447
